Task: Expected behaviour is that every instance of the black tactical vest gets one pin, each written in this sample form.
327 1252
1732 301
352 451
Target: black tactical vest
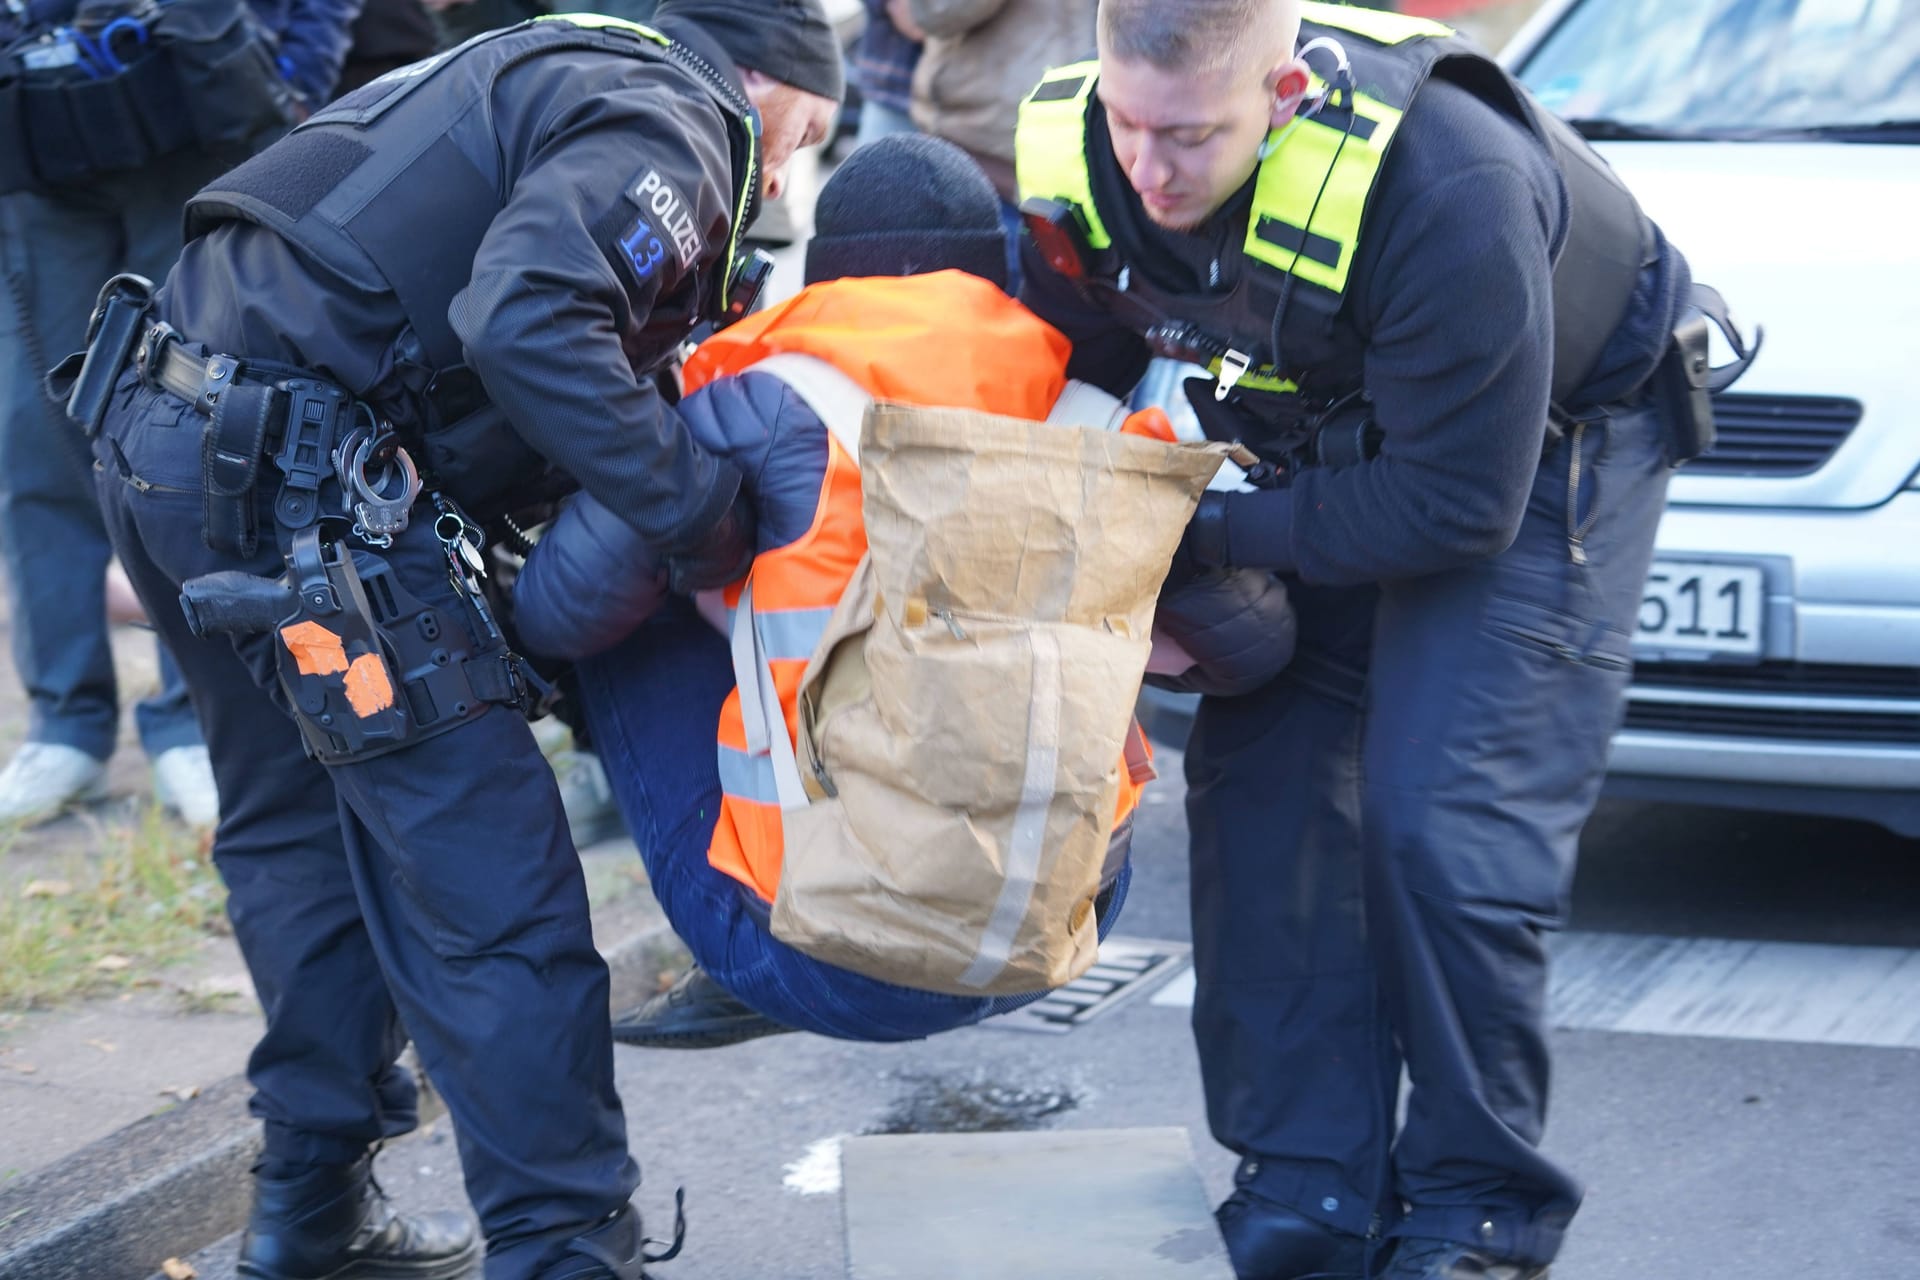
393 187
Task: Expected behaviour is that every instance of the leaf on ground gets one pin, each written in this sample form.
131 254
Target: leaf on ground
24 1068
105 1046
112 964
174 1269
181 1092
47 889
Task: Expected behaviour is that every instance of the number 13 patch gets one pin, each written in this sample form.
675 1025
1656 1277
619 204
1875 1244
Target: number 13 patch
643 249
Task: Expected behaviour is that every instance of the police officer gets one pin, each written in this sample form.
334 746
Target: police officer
112 113
441 297
1451 334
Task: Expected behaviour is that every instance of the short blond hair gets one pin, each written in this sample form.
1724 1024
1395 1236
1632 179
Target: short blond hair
1199 37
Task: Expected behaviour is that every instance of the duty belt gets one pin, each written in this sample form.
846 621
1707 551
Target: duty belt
310 427
431 678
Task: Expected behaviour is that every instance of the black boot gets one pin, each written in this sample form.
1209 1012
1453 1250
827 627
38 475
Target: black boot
1268 1241
694 1013
617 1248
332 1222
1416 1259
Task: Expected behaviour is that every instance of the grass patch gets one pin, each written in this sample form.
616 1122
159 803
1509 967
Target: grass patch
145 896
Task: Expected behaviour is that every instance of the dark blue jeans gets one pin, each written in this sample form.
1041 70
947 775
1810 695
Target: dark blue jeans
432 892
1384 836
653 703
54 253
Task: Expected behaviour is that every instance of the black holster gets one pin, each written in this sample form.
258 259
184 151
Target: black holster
84 381
1684 380
367 667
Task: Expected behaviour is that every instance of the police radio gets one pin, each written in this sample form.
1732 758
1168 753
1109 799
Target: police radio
1059 234
745 285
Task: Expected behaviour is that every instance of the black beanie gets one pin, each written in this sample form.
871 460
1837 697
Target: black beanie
789 40
904 205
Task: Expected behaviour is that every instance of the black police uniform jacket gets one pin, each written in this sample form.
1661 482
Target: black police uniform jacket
552 208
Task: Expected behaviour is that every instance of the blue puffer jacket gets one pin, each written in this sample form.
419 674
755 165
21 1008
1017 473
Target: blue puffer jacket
592 579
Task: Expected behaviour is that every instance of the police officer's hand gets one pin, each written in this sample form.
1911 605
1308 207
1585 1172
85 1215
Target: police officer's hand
722 556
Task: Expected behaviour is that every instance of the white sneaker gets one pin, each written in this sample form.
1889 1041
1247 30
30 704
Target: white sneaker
183 782
45 778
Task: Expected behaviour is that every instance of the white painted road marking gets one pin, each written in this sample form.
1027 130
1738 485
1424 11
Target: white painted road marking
1784 991
817 1171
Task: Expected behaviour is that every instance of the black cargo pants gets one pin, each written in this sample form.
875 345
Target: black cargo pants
1382 839
431 892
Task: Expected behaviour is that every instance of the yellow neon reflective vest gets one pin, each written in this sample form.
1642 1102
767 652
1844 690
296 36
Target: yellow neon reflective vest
1313 190
1295 226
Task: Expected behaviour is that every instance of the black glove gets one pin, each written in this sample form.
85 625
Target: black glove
1204 545
723 555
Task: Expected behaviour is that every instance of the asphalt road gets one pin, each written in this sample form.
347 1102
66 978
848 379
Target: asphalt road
1769 1150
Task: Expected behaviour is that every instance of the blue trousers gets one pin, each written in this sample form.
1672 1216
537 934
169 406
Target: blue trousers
653 703
432 892
1382 839
56 252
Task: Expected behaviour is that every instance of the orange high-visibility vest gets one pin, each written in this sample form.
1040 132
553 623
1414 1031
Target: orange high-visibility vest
945 340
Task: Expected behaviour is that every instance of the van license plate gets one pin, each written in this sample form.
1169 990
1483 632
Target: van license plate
1702 607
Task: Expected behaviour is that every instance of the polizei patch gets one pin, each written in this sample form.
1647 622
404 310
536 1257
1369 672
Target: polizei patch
672 215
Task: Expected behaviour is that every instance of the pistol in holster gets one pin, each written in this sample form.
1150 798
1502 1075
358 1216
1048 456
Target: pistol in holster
366 665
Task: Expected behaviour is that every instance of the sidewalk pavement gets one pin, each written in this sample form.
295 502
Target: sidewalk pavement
76 1073
124 1135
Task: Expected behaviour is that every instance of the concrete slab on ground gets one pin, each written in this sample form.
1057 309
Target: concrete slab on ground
1096 1204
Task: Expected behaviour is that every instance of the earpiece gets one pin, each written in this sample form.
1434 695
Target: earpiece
1342 78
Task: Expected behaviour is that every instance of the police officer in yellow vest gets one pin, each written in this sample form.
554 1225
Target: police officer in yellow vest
1471 363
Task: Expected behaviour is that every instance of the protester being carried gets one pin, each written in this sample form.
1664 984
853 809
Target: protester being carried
906 299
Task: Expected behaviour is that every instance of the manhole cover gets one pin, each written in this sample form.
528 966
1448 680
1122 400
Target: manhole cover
1127 967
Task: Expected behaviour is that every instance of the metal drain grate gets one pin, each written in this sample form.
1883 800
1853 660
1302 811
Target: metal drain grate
1127 967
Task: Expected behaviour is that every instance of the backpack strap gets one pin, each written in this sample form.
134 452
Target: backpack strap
760 711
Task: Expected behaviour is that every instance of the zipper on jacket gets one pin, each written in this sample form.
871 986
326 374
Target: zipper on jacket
731 97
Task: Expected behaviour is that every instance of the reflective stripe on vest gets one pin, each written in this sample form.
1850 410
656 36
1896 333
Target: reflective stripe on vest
870 336
1310 195
601 21
1376 25
1049 144
777 617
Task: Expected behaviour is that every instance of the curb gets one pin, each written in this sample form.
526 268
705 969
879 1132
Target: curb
168 1185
